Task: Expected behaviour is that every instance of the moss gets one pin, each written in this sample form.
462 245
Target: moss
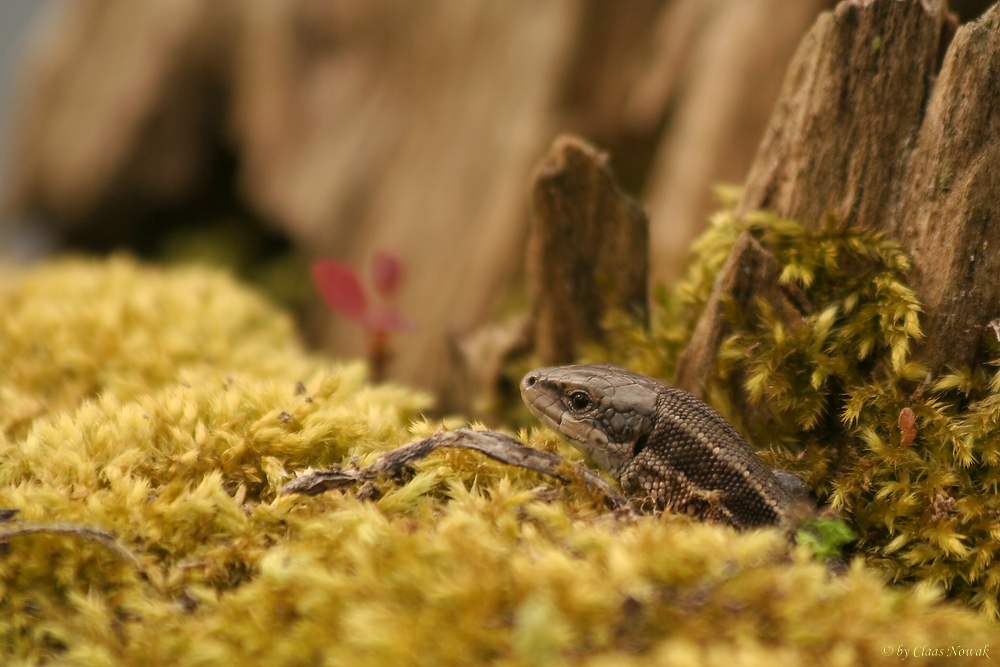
467 561
72 332
912 461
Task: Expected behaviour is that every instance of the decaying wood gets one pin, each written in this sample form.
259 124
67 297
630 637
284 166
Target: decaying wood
750 271
587 250
924 172
373 124
713 73
609 59
407 127
586 255
497 446
949 217
849 113
124 103
364 125
969 10
848 117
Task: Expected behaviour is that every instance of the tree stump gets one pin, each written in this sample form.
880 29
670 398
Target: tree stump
854 136
949 214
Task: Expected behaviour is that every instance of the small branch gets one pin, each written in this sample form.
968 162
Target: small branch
497 446
102 537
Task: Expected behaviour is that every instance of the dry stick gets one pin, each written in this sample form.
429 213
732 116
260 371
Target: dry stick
498 446
102 537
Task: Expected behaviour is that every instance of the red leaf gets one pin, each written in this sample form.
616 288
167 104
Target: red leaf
387 273
340 289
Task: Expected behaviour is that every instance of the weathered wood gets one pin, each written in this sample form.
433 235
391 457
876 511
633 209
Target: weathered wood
480 385
968 10
839 139
949 216
849 113
123 103
497 446
586 255
403 127
587 250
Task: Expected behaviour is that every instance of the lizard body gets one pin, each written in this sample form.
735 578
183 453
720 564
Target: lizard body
659 442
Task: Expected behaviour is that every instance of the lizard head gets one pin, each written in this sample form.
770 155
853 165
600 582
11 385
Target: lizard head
605 411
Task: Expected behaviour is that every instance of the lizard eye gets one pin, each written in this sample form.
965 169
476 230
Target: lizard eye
580 400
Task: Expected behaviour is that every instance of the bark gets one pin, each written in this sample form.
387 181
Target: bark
969 10
749 271
609 61
949 216
369 125
586 256
587 251
365 125
351 126
850 110
839 140
481 385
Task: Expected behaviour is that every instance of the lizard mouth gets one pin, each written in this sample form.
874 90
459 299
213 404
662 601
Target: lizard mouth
544 400
540 402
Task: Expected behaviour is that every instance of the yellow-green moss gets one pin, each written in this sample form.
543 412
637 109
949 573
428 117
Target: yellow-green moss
73 331
827 390
467 562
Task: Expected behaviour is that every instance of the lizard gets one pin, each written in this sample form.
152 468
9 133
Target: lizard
661 443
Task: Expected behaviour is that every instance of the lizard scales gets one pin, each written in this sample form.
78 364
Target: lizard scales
659 442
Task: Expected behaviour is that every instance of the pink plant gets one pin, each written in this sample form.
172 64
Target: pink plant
341 289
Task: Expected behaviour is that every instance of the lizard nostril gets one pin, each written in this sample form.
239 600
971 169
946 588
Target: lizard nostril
530 380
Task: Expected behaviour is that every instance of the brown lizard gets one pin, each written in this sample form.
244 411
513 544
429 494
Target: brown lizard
661 443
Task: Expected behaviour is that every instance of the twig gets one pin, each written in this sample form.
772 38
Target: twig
498 446
102 537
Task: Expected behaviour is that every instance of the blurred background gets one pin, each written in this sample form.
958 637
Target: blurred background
261 135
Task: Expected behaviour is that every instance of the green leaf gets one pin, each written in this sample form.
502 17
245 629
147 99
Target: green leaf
826 537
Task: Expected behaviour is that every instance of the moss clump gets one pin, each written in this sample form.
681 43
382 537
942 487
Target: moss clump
827 391
72 332
466 562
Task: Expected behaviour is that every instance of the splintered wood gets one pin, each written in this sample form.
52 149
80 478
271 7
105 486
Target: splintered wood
587 250
949 214
853 135
587 257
